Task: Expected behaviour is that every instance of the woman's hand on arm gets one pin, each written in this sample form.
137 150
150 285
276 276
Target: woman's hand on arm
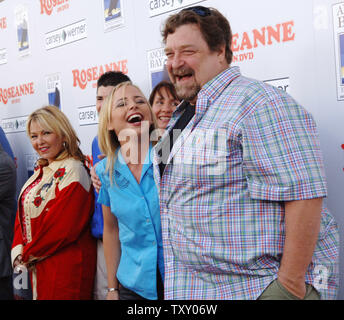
18 261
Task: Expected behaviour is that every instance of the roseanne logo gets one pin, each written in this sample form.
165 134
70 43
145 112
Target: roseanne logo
82 77
16 92
47 6
244 43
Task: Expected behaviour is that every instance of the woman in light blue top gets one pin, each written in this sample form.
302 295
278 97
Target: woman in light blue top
132 230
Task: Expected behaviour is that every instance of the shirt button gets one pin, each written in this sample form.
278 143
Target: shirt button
148 221
153 243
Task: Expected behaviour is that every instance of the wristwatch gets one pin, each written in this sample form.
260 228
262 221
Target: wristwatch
112 289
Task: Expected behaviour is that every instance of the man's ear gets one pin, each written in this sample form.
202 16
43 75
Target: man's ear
222 53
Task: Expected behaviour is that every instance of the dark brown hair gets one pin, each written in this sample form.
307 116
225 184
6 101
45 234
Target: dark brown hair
112 78
214 27
157 89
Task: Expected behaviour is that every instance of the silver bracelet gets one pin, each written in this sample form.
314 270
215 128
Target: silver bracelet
112 289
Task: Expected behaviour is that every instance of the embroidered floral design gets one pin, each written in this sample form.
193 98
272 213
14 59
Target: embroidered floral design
37 202
60 173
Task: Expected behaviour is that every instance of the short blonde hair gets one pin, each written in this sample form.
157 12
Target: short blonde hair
108 140
53 119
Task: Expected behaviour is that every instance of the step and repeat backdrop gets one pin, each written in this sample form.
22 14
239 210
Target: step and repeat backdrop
53 52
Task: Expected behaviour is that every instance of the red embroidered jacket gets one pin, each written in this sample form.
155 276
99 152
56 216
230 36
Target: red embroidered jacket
52 230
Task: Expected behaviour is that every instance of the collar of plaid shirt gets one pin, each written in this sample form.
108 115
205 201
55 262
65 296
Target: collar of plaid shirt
208 94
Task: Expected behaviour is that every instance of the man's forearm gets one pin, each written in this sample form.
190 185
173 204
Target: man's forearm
302 223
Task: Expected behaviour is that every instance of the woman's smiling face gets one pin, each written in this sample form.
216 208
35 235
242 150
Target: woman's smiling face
130 112
163 106
47 144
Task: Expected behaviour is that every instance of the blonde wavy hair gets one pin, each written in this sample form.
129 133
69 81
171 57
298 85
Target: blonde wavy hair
108 140
52 119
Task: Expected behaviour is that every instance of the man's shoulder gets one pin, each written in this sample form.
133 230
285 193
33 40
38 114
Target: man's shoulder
255 87
95 141
95 144
254 93
95 150
6 161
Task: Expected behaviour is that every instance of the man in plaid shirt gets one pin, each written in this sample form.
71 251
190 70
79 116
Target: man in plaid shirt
241 181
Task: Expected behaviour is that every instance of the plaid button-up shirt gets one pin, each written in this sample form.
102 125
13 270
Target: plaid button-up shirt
249 148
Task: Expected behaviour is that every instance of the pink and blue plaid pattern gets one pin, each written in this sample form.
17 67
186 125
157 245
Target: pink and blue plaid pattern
249 148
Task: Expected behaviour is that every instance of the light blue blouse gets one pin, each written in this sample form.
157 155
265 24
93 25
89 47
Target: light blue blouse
136 207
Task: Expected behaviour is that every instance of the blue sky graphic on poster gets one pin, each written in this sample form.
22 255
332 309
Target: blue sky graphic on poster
54 98
23 41
22 28
157 66
31 160
338 28
54 87
112 9
158 76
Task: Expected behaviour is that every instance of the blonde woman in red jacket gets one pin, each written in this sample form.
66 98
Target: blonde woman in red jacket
52 235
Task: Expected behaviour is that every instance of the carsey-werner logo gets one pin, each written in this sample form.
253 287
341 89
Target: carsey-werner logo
82 77
88 115
157 7
13 125
16 92
269 35
66 35
280 83
47 6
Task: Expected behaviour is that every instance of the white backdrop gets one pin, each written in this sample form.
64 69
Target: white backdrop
55 50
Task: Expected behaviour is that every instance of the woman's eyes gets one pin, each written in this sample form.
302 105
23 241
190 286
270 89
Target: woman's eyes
119 105
161 102
45 133
125 103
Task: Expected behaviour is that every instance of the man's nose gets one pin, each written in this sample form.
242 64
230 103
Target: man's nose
177 61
